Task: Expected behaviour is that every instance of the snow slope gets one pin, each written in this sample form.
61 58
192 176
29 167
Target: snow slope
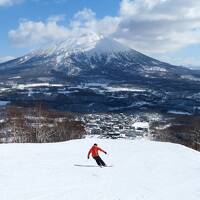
143 170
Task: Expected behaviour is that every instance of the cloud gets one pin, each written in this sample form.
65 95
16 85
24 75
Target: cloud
159 25
151 26
31 33
84 22
6 58
191 62
9 2
12 2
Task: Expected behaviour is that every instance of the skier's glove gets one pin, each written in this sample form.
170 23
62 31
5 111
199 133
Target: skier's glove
88 157
105 152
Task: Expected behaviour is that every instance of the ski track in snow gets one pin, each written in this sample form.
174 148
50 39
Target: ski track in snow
143 170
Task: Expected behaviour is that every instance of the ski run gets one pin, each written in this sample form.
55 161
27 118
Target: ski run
142 170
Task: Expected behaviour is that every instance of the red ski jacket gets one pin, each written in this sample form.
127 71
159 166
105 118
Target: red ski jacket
94 151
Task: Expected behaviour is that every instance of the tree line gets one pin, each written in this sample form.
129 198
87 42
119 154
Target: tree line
183 130
38 124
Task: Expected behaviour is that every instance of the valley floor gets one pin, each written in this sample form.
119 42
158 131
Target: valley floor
143 170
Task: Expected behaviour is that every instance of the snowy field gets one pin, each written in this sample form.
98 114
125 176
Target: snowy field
143 170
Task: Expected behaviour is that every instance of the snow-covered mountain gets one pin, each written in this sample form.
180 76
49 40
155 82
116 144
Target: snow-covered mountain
87 57
95 73
142 170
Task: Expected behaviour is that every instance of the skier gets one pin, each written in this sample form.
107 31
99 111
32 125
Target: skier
94 151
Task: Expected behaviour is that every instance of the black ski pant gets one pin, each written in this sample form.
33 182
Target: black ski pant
99 161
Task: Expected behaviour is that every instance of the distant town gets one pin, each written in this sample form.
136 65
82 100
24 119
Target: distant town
118 125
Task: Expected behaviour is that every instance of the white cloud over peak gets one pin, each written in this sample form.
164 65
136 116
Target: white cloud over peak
157 26
31 33
85 14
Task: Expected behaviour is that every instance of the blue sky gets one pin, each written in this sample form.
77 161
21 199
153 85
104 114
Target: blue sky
166 29
41 10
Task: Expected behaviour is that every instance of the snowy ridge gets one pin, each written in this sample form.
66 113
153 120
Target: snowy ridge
89 45
143 170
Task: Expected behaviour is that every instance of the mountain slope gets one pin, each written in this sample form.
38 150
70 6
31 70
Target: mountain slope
150 171
97 74
85 58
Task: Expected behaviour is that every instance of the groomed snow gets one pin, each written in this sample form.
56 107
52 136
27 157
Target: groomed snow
143 170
